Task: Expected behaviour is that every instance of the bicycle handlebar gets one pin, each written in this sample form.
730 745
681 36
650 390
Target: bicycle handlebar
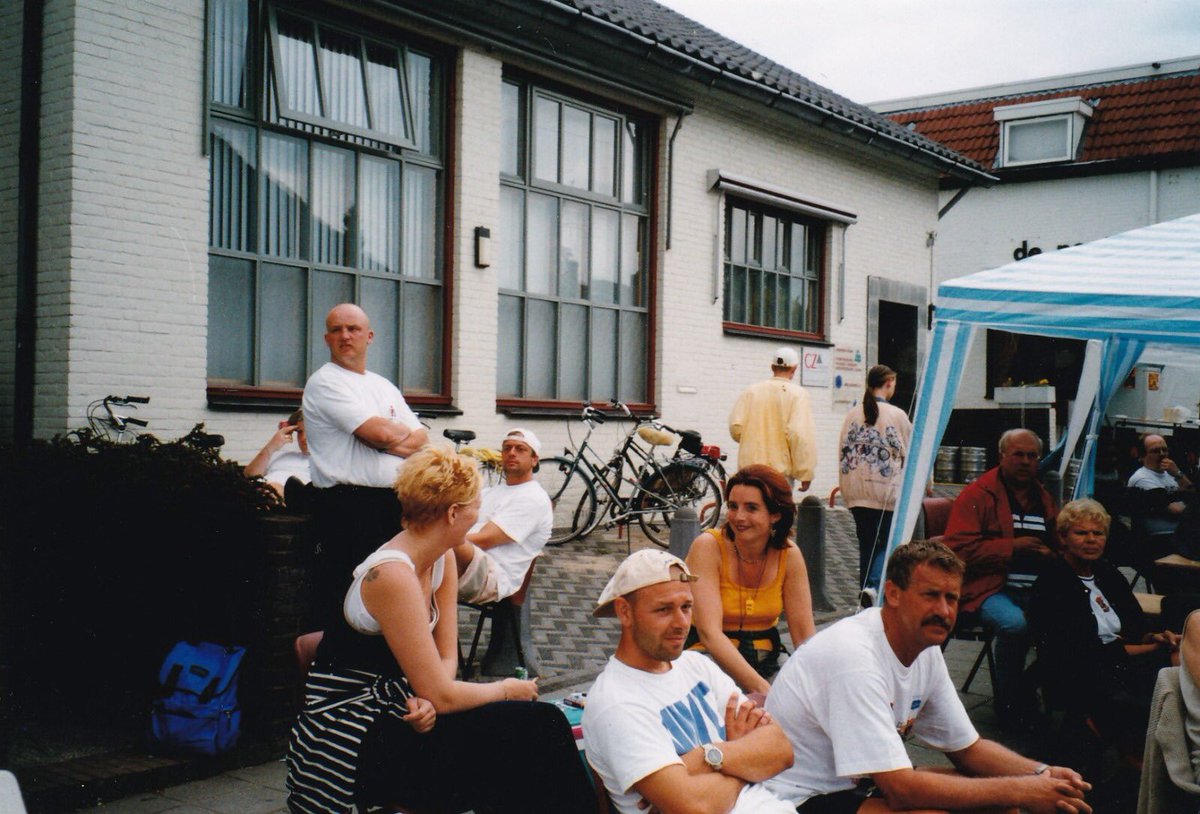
127 400
137 422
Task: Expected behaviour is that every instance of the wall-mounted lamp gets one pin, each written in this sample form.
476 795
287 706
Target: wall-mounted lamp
483 247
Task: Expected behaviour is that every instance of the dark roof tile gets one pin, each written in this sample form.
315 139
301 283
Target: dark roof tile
666 26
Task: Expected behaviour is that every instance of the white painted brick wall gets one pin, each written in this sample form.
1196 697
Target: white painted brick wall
127 200
127 208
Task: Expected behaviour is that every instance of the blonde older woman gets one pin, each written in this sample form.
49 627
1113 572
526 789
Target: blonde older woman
384 719
1096 649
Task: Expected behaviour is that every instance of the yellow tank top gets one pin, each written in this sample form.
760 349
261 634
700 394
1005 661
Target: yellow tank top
744 608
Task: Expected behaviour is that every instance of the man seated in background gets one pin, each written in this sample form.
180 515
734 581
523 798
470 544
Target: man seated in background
1002 527
515 521
275 464
1158 493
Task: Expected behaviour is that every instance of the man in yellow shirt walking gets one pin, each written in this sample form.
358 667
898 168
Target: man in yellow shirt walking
773 423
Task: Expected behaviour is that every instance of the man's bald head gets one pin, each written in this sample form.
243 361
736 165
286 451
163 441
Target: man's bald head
348 333
346 310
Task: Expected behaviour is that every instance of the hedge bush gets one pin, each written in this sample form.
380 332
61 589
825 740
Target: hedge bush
112 552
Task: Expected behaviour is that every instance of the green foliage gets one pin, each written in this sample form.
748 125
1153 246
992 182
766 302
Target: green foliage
112 552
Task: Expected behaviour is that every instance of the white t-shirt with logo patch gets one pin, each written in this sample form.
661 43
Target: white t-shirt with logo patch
847 703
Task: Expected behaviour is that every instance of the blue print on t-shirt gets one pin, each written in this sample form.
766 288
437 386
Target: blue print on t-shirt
688 719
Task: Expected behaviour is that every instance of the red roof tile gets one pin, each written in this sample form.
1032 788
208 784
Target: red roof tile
1131 119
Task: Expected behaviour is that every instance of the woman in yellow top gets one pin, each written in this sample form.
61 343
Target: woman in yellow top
751 572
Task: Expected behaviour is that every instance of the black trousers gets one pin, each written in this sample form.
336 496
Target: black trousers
351 522
511 756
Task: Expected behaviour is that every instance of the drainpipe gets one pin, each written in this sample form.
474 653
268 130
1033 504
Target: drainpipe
671 171
1153 197
27 216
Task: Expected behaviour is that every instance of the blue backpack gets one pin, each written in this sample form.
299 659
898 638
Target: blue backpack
197 709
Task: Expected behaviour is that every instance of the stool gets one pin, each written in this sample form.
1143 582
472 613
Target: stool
512 609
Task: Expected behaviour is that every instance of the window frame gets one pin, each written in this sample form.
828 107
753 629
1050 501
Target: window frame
642 207
1068 140
274 59
793 216
256 115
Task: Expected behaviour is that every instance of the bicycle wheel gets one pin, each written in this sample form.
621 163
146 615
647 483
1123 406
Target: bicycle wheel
676 485
573 498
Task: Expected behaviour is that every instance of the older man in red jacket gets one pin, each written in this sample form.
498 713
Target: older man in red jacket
1003 527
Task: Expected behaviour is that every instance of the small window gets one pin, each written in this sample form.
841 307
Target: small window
1041 132
338 80
774 269
1037 141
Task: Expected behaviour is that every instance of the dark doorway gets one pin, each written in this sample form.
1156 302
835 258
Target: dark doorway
897 344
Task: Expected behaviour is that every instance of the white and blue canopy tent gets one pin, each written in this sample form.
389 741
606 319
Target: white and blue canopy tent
1121 294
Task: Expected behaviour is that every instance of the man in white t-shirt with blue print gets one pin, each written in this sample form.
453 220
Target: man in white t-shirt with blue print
664 728
515 521
850 696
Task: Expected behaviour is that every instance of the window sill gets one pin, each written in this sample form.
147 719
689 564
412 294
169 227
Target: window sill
254 398
241 397
522 408
759 332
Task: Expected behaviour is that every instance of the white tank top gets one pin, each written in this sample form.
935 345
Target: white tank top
356 613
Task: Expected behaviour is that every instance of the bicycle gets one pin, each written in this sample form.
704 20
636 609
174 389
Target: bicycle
586 490
490 464
112 425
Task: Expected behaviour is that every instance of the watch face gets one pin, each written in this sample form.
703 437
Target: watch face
713 756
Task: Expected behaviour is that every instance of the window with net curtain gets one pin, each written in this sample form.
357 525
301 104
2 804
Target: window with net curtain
573 241
326 164
774 264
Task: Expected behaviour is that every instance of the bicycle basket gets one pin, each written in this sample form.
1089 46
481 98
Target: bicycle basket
689 441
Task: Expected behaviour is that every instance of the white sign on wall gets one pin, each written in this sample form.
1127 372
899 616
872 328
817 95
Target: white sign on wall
814 367
849 375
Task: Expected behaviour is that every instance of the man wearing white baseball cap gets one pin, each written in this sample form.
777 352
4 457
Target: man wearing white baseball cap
668 727
772 422
515 520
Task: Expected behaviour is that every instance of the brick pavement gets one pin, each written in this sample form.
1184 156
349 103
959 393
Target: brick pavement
572 646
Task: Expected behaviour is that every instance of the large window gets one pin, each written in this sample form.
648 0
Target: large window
326 182
574 243
774 268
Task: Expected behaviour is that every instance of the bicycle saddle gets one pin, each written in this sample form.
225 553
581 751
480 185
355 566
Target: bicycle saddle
459 436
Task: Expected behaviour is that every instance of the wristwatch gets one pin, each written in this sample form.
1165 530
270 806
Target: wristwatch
713 756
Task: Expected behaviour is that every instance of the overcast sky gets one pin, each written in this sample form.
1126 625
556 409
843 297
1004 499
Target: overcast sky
871 50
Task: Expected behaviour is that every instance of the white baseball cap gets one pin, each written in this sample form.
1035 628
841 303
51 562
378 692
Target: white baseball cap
641 569
785 357
526 437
